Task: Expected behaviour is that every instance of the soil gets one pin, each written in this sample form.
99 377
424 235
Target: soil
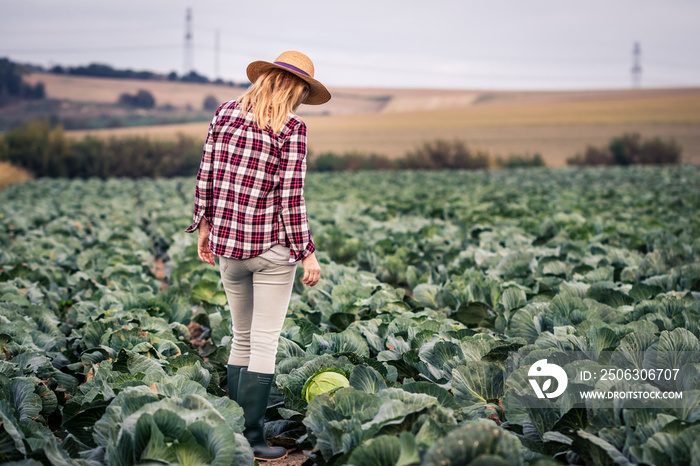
196 332
295 458
159 272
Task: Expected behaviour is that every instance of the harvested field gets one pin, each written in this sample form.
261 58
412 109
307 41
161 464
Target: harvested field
107 90
393 121
555 143
556 129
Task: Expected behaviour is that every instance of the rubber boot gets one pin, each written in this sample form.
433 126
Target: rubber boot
253 395
233 373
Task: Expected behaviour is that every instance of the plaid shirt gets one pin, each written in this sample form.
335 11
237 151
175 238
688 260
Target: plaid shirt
250 186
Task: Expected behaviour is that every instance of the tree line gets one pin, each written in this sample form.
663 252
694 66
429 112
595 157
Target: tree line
12 85
100 70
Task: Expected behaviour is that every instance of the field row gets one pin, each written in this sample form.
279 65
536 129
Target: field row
115 336
556 125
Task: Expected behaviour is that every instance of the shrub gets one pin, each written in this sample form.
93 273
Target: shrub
522 161
626 148
138 156
379 162
142 99
37 147
434 155
440 154
629 149
592 156
89 158
658 151
351 161
45 151
211 103
325 162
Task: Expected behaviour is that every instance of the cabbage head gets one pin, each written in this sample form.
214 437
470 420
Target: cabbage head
324 381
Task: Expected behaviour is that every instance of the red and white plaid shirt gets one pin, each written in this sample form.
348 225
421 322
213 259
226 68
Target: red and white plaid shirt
250 186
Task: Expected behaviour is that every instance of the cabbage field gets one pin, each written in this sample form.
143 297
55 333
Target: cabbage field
114 336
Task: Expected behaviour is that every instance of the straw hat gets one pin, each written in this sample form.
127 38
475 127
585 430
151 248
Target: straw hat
299 65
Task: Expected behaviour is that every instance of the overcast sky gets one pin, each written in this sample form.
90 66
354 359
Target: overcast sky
467 44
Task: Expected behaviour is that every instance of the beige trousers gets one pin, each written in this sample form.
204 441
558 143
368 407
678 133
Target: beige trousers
258 293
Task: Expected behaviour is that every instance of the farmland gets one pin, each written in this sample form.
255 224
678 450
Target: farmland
115 335
394 121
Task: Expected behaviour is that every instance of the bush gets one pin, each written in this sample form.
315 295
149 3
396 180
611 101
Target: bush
593 156
658 151
37 147
211 103
142 99
626 148
434 155
441 154
89 158
351 161
629 149
521 161
45 151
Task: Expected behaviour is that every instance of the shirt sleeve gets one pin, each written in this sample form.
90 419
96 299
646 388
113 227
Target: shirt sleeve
203 191
293 207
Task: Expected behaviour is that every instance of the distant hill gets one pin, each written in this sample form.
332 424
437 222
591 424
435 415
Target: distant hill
177 94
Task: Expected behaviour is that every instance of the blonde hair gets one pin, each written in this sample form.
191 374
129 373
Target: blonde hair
272 96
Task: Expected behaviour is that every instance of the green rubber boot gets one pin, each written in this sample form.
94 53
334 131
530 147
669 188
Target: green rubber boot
253 394
233 373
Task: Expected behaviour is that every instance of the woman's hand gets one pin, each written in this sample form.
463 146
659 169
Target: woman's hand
203 243
312 271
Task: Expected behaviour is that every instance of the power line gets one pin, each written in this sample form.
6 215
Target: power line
95 49
216 48
81 31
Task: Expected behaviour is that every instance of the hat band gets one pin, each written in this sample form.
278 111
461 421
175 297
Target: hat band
292 67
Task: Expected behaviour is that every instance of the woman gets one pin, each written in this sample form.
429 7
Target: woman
250 212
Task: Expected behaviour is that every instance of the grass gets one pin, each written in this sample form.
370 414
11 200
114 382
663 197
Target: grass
9 174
